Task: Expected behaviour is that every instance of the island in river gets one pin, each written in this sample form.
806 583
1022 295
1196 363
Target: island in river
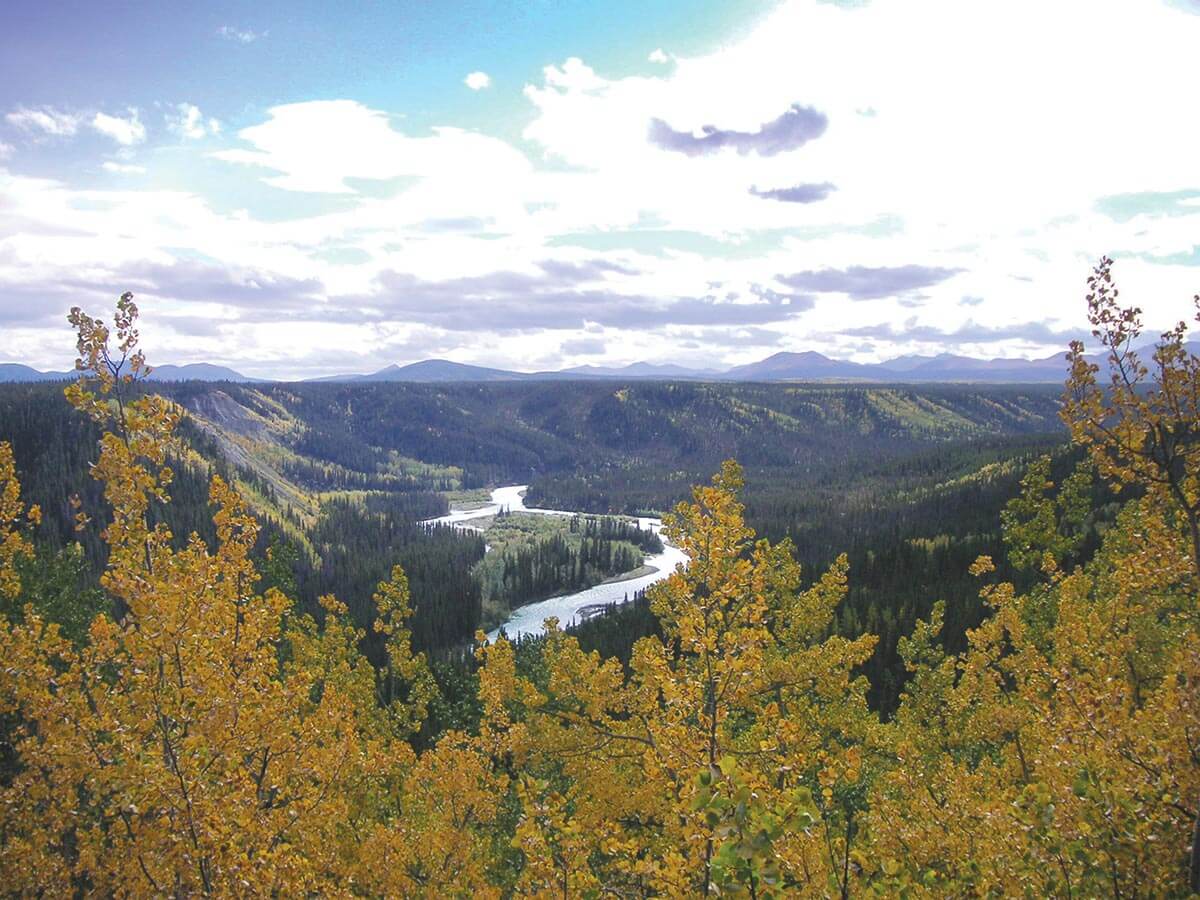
611 558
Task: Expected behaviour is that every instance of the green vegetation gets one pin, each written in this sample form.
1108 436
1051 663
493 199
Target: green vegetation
342 474
470 498
537 556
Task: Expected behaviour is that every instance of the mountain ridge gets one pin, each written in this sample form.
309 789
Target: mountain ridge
799 366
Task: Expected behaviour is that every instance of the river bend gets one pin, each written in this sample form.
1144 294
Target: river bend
528 619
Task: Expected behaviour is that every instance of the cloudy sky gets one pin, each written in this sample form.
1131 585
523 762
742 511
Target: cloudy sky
297 192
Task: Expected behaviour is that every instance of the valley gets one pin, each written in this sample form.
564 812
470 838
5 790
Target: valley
349 479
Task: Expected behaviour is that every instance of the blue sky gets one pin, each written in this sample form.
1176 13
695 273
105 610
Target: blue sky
295 190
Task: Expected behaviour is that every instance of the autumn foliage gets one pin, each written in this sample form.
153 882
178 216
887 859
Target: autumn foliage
207 739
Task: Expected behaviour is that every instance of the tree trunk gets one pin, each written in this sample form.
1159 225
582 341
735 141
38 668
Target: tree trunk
1194 879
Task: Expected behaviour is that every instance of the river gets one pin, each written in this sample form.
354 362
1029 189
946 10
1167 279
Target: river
528 619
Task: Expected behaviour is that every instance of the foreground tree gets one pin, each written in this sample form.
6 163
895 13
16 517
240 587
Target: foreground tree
1061 752
731 758
1144 430
207 741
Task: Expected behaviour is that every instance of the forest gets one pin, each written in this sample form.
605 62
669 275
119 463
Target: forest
926 644
534 556
908 482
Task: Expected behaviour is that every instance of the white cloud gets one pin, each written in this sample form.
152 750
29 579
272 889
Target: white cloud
44 119
658 55
317 146
125 132
477 81
122 168
240 35
6 150
188 122
971 162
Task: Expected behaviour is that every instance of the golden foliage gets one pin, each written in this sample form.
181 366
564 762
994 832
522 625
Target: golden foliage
208 741
621 777
1061 751
13 542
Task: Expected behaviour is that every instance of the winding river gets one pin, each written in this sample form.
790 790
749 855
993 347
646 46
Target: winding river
528 619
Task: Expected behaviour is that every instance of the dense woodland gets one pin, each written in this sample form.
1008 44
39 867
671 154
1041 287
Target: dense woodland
911 491
538 556
201 715
909 482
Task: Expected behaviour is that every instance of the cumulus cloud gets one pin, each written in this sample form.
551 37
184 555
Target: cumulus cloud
258 291
318 145
120 168
929 176
28 302
6 150
477 81
587 270
800 193
583 347
45 119
792 130
126 132
971 332
552 300
869 282
188 122
240 35
797 302
752 337
658 55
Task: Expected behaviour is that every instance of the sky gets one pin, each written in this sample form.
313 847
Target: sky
298 190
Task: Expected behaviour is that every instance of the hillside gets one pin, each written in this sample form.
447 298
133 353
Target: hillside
491 433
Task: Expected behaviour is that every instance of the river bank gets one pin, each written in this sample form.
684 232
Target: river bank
528 619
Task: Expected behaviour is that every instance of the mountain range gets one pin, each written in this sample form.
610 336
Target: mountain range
806 366
189 372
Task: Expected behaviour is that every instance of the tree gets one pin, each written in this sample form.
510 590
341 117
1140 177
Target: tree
206 741
13 542
1145 428
1060 752
639 782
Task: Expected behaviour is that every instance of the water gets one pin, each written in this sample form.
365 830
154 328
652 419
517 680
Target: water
528 619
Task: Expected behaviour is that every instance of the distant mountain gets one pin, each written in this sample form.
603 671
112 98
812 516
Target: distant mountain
438 370
444 370
18 372
813 366
198 372
948 367
637 370
908 363
807 366
786 366
191 372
